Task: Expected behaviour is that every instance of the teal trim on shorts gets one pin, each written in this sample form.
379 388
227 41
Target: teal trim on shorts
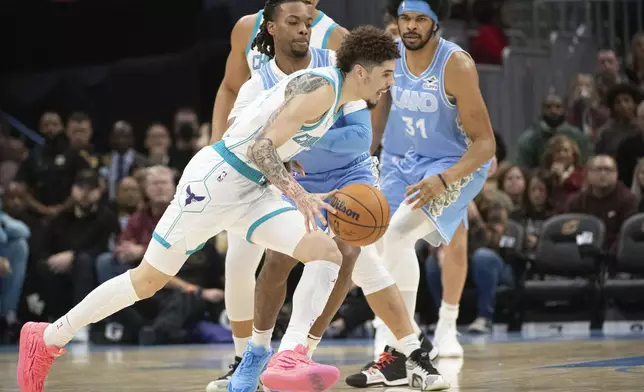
255 225
327 35
255 30
160 240
240 166
197 249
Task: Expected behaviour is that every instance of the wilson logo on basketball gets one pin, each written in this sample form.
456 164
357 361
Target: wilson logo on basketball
342 208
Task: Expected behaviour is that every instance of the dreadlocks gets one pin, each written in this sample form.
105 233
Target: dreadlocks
263 40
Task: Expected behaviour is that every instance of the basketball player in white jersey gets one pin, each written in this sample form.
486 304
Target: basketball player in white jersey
283 39
224 187
243 60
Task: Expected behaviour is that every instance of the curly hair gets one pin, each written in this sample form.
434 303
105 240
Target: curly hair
442 8
553 144
263 40
367 46
622 89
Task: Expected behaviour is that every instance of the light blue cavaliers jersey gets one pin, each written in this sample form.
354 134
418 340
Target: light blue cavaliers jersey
422 116
254 117
321 30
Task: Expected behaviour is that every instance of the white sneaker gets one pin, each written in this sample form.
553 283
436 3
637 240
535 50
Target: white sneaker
445 338
421 374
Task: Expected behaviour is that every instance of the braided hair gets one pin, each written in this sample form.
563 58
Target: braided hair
263 40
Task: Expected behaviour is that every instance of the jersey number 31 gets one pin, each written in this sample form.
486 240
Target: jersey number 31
411 126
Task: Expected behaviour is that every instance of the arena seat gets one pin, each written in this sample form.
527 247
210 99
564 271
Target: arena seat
569 256
629 260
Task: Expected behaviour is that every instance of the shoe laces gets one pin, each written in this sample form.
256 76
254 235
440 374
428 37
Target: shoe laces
286 362
384 360
248 364
233 366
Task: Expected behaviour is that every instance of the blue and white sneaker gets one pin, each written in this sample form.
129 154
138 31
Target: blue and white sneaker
253 363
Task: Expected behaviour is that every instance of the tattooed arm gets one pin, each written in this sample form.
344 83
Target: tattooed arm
306 99
286 121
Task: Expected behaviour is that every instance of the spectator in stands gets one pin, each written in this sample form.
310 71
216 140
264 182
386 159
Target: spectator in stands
622 102
14 254
631 149
487 46
538 205
79 133
533 141
562 159
637 186
585 110
158 189
46 177
511 179
158 143
609 72
186 134
604 197
635 65
501 150
13 153
391 25
71 243
122 157
128 200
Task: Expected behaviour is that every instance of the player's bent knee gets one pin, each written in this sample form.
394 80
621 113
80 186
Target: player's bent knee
317 246
147 280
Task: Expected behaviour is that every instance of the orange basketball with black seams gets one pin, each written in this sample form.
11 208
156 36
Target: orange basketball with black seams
362 214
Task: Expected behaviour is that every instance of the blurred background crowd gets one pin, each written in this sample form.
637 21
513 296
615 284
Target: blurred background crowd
102 105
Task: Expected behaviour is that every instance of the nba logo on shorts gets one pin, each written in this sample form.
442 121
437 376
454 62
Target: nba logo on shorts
222 176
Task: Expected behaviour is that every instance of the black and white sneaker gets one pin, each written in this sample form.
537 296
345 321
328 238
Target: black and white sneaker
425 343
421 374
221 384
388 371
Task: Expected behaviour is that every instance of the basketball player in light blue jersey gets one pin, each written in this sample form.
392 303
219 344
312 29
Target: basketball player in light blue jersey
243 60
339 158
436 152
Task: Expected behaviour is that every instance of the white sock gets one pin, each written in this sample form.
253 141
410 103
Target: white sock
447 314
261 338
240 345
309 300
408 344
313 344
103 301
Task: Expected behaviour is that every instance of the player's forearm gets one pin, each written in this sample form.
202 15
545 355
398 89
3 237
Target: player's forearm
379 117
224 103
263 154
480 151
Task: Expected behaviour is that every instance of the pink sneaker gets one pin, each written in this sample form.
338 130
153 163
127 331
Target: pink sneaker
35 358
294 371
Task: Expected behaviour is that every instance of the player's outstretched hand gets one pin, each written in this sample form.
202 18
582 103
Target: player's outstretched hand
424 191
311 206
294 166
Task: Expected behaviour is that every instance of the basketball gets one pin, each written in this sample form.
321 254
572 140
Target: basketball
362 214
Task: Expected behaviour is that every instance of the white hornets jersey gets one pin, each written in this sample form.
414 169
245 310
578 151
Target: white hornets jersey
321 30
252 119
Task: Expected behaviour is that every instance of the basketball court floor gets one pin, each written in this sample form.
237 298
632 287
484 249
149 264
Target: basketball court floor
541 361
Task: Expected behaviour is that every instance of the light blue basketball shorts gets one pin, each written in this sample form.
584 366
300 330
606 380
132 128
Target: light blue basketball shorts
446 211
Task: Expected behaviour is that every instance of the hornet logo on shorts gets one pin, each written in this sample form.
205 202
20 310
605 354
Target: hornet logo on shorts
192 197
